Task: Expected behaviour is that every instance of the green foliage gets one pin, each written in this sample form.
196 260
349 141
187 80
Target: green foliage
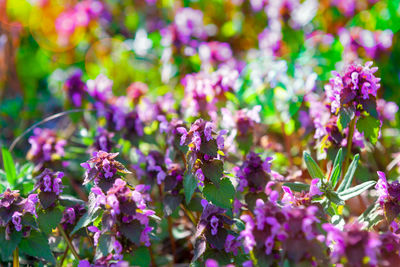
9 166
348 177
49 219
8 246
356 190
37 245
221 196
189 186
369 126
312 167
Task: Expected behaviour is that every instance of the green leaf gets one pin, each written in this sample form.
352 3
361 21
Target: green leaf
90 216
37 245
9 166
334 197
298 187
370 127
8 246
222 196
49 219
189 186
369 105
104 247
25 170
346 114
213 170
337 168
139 257
67 201
356 190
371 216
348 177
312 167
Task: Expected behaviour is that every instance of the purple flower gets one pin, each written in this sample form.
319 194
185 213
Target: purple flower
314 189
200 177
123 207
353 87
352 244
214 225
16 220
14 211
45 146
254 173
75 88
389 196
189 23
50 187
208 131
103 140
211 225
100 88
103 167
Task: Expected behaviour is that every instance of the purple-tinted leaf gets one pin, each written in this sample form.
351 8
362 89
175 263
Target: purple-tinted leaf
171 202
216 241
210 148
213 170
132 231
47 199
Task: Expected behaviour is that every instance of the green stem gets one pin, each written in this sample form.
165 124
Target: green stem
349 143
253 258
69 243
189 214
15 258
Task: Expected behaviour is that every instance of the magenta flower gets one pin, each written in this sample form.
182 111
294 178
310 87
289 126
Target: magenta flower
353 87
389 196
45 146
16 212
352 244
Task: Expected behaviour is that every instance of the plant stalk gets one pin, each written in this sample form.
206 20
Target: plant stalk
69 243
349 144
16 258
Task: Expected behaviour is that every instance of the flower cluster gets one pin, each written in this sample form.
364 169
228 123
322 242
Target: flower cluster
75 88
212 227
293 228
103 140
46 146
49 186
103 169
352 245
302 198
389 196
204 91
126 214
17 212
254 173
71 216
80 16
204 157
355 86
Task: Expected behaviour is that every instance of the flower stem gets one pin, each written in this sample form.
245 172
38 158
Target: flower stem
349 143
69 243
189 214
15 258
64 256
